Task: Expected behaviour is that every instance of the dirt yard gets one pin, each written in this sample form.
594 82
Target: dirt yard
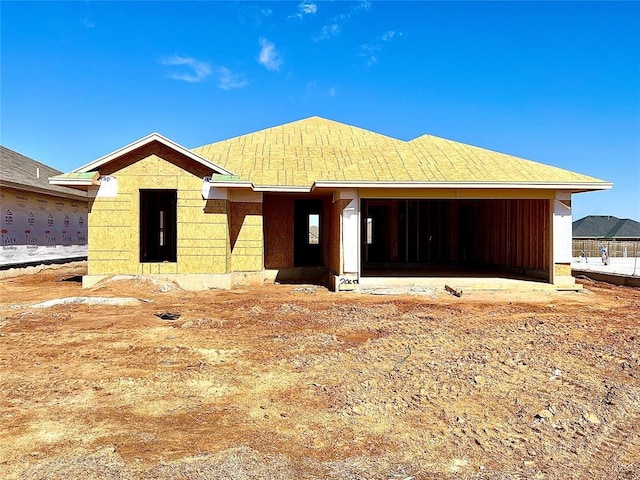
295 382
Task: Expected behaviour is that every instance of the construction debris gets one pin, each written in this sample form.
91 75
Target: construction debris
453 291
167 316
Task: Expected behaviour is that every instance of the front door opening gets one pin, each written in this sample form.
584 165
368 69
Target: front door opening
158 226
307 234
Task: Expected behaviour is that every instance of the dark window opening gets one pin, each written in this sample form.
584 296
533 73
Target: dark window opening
158 225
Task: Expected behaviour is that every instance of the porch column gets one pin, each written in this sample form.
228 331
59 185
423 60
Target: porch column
562 236
347 279
350 229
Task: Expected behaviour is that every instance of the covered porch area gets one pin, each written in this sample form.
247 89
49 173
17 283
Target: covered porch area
302 233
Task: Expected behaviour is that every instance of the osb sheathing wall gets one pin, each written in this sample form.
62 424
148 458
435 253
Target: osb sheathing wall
278 231
245 236
202 229
562 270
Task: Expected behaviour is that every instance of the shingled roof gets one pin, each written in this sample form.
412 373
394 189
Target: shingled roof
606 226
320 150
24 173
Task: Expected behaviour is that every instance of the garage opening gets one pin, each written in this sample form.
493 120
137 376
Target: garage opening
409 237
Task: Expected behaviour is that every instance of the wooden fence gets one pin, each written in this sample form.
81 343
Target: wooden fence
591 248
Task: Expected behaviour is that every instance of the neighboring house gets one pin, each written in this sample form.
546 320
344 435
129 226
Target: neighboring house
40 222
621 236
246 209
606 227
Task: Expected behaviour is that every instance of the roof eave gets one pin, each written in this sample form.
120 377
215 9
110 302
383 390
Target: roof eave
573 187
79 181
45 191
283 188
260 188
230 184
570 186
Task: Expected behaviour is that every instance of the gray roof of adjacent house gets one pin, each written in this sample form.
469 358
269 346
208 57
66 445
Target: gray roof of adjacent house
606 226
24 173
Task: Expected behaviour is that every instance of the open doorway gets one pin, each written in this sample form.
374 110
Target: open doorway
158 225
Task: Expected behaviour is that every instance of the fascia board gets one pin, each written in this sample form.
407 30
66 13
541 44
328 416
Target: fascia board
73 182
260 188
580 187
282 189
230 184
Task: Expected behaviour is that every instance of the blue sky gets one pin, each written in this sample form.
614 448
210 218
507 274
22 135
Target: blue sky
555 82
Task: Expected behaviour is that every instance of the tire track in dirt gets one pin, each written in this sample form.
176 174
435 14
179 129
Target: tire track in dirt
619 448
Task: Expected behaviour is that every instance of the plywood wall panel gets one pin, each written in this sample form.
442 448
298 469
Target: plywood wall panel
278 231
202 230
513 233
245 236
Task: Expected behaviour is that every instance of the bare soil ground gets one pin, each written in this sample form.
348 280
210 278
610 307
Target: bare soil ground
287 382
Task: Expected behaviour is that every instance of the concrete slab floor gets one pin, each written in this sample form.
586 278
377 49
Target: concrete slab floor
617 265
373 284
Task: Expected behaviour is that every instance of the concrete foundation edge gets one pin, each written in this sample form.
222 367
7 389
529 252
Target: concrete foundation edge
337 283
615 279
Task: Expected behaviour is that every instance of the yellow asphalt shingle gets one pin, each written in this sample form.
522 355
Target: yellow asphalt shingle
315 149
